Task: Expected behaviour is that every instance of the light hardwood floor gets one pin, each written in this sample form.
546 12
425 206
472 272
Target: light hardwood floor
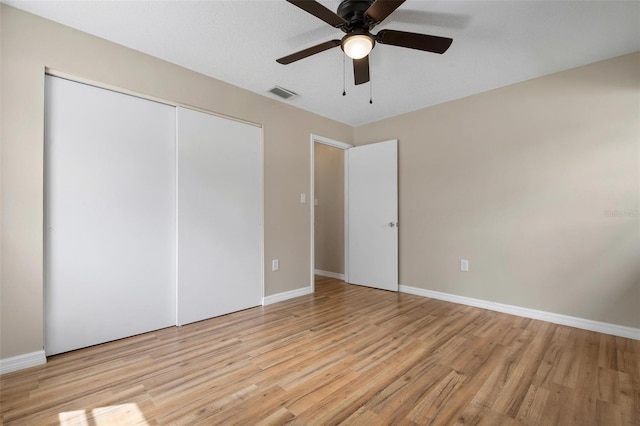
348 355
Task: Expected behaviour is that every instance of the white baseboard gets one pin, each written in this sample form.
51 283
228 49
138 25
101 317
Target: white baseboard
280 297
328 274
23 361
585 324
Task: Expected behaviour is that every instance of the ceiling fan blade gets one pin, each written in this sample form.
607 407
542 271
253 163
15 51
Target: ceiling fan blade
319 11
424 42
380 9
285 60
361 70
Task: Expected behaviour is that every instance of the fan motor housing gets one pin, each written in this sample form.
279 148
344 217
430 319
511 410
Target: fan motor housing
353 11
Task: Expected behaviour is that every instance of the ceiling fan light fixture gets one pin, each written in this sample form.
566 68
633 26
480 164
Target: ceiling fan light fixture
357 46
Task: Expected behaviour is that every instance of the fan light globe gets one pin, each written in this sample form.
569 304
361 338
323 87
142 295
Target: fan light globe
357 46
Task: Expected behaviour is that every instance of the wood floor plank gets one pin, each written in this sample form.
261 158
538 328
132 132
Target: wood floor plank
439 405
629 399
527 352
347 355
482 415
306 396
532 406
397 400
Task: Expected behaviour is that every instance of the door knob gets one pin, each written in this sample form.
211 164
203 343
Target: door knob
392 224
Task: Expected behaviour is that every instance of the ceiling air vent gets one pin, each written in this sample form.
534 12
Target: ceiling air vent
283 93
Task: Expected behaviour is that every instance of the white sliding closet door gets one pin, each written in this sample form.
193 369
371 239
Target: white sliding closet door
110 215
219 216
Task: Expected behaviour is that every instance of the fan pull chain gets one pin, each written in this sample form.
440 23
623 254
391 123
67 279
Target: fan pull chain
370 82
344 77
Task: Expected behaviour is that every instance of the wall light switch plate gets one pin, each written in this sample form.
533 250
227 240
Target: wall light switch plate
303 198
464 265
275 265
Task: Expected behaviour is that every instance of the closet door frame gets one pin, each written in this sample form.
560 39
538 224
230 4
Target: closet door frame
49 72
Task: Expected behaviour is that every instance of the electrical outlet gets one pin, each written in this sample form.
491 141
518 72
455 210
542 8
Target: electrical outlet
464 265
275 264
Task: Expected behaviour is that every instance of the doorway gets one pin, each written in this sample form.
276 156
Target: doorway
370 213
329 204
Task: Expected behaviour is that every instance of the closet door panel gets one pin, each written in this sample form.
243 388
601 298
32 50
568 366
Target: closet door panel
219 216
110 215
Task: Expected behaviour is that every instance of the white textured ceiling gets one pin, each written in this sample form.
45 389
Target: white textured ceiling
495 44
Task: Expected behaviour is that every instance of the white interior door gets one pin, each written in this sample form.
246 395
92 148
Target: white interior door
220 261
110 215
373 215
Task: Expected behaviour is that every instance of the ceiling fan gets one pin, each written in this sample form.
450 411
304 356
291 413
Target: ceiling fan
357 18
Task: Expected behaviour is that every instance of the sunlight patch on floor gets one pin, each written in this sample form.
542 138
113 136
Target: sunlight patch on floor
124 414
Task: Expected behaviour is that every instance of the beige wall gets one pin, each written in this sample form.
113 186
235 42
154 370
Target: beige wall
522 181
329 213
29 44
